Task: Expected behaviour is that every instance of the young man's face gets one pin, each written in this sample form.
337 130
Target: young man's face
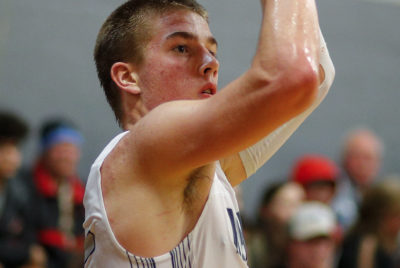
10 159
179 61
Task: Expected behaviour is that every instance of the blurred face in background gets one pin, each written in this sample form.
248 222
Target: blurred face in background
10 159
312 253
61 159
362 158
283 204
322 191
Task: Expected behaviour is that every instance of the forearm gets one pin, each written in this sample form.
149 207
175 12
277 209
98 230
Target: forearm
256 156
289 33
283 79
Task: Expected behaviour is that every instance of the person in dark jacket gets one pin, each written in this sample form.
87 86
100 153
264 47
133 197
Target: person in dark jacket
373 240
17 234
60 194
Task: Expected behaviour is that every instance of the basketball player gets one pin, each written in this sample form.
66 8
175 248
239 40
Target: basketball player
160 194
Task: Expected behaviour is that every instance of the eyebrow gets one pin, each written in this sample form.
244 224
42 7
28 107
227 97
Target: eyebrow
185 35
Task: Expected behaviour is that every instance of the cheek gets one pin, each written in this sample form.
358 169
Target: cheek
10 160
162 82
157 86
355 163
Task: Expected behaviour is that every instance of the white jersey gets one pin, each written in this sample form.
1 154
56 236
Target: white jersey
215 242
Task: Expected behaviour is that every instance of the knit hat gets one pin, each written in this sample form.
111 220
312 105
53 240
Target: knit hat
59 131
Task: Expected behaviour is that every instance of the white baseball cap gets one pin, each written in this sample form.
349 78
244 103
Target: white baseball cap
311 220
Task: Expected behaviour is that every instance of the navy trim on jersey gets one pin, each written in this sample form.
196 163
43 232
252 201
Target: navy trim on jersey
235 239
137 264
129 258
94 245
153 263
238 238
180 257
172 259
190 261
141 262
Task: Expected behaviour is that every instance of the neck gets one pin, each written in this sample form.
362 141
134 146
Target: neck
133 109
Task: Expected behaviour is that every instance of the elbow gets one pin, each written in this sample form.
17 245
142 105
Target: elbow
301 86
304 81
295 86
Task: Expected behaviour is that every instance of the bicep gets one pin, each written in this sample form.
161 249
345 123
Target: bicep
179 136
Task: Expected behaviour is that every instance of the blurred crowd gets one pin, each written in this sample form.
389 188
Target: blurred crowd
41 206
324 214
327 214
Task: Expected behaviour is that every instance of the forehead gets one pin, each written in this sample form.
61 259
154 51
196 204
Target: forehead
63 146
7 144
186 21
363 142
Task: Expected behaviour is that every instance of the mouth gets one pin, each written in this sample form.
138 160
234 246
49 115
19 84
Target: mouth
209 89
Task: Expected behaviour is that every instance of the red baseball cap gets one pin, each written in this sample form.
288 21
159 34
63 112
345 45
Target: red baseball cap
312 168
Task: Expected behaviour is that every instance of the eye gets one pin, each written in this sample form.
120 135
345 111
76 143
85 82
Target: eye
214 53
181 49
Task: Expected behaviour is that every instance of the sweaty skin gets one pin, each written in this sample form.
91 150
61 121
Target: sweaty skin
162 170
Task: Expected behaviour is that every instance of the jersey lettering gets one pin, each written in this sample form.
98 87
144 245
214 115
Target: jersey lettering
238 238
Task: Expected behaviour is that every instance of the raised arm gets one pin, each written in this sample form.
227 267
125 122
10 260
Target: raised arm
242 166
177 137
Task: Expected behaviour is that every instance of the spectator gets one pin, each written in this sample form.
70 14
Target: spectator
267 245
60 194
17 237
361 160
311 243
372 242
317 174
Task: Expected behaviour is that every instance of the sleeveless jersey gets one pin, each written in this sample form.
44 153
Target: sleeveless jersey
216 241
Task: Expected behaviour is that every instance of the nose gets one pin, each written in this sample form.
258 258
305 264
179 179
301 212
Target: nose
209 65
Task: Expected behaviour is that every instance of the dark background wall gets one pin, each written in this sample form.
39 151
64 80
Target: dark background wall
46 69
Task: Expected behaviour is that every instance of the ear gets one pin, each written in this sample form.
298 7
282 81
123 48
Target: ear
125 77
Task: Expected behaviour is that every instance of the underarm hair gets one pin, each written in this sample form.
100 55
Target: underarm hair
256 156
